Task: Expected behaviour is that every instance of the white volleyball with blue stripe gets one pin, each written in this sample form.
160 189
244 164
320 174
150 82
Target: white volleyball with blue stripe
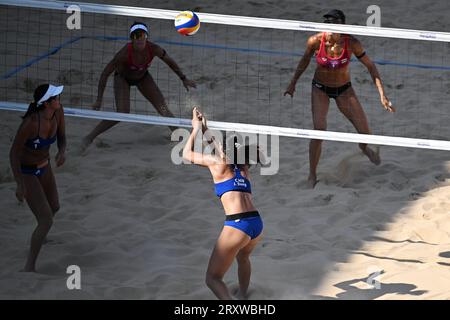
187 23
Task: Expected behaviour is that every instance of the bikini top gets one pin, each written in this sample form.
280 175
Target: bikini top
139 67
333 63
38 142
237 183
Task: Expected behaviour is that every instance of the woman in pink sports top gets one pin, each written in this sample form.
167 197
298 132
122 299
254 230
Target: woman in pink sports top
130 66
332 80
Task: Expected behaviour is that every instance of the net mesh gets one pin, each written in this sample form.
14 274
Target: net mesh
241 72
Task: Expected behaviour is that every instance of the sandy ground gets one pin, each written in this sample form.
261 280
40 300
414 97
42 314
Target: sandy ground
141 227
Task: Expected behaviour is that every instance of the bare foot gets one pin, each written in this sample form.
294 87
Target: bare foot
241 296
85 143
373 156
236 293
312 181
28 269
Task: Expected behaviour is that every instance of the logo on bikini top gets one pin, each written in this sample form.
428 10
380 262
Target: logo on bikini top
137 68
334 63
36 142
240 182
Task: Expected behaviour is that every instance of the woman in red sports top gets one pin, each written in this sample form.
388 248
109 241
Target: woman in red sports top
332 80
130 66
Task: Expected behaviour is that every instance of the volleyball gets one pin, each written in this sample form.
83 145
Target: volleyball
187 23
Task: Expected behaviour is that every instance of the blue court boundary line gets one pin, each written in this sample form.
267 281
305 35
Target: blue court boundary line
259 51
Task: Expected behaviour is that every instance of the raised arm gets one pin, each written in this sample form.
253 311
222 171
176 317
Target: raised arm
162 54
359 52
188 152
218 147
311 47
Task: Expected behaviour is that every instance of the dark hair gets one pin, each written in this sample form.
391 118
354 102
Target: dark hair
246 148
136 23
33 107
336 15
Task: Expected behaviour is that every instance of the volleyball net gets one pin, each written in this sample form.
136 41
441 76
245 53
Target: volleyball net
242 66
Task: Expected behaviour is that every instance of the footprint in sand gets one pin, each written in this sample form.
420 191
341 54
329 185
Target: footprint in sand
322 200
445 255
399 181
428 206
415 195
52 268
52 241
128 293
70 77
105 163
76 217
259 292
81 247
102 145
441 177
6 176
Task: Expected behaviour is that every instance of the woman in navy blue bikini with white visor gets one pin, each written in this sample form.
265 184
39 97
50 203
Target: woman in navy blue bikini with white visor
243 225
42 125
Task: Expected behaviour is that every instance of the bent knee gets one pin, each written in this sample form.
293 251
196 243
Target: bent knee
243 257
55 208
210 279
213 276
45 222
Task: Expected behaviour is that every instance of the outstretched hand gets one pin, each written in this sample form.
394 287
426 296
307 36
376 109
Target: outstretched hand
189 83
387 104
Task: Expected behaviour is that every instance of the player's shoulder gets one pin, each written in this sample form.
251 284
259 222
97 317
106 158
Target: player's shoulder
30 123
154 46
122 54
314 40
352 39
317 37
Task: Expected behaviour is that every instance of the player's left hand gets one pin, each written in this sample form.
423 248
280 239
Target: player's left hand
197 118
189 83
60 158
387 104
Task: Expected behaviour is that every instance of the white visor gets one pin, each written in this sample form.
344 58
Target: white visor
52 91
138 27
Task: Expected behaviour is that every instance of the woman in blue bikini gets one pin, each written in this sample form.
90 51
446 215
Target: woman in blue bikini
42 125
243 225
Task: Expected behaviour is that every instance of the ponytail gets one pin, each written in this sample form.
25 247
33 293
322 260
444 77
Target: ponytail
32 108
